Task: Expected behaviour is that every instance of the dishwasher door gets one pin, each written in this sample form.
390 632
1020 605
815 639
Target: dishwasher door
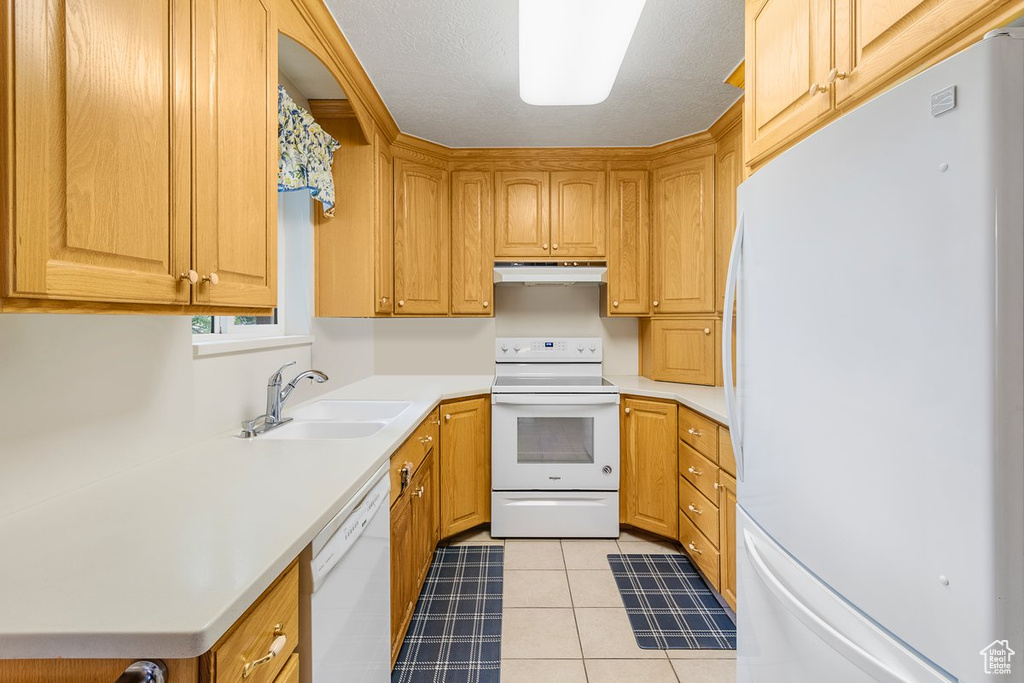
350 605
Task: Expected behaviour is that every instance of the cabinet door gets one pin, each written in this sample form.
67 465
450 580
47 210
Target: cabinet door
465 471
788 47
421 239
877 40
402 589
651 491
727 537
235 168
472 243
678 350
522 226
384 223
578 214
425 520
728 175
684 256
629 277
100 206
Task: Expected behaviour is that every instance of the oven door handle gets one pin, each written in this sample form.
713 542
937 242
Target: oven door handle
554 399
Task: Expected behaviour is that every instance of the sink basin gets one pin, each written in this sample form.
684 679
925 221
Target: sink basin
351 411
325 430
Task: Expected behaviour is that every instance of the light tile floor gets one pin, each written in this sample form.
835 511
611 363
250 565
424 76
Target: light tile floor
564 622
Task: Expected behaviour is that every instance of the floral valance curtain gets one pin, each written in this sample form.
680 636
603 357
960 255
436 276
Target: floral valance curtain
306 153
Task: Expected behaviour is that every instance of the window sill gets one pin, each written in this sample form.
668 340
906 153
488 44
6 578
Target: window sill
202 348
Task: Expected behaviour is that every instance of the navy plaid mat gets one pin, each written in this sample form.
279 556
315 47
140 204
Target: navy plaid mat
669 605
455 633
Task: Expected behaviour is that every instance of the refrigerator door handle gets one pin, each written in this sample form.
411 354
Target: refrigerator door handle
731 406
894 663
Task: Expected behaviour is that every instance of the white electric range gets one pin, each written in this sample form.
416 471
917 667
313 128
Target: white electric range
554 440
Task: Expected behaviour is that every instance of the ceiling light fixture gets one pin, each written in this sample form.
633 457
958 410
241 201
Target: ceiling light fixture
570 51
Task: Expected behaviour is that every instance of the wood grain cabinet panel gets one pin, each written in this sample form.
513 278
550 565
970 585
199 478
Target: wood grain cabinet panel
472 243
728 176
235 167
629 277
649 488
465 470
403 586
522 214
578 214
727 537
384 226
684 258
101 152
421 239
788 47
878 39
678 350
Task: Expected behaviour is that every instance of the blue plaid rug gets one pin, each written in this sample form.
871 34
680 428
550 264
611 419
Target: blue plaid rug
669 605
455 633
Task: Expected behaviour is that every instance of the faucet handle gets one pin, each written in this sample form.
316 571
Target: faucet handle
277 377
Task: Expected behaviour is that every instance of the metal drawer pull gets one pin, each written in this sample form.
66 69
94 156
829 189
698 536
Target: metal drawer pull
144 671
405 474
276 648
693 471
418 492
694 432
426 439
692 547
695 510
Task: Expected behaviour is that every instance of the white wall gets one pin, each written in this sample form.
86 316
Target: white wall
466 346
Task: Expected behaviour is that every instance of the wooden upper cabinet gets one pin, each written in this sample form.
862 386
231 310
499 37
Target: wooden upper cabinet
629 277
236 152
684 256
522 213
578 214
101 151
788 47
421 239
650 488
728 176
472 243
878 39
678 350
465 470
384 226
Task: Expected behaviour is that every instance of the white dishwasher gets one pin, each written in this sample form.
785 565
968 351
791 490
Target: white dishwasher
349 588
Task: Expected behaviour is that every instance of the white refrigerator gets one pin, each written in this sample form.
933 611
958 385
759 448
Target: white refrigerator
878 416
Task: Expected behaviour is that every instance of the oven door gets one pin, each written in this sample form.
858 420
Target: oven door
560 442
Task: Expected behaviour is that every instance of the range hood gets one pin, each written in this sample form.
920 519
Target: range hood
550 273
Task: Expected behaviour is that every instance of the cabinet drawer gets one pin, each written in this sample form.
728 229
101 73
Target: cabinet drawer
275 613
699 432
413 451
701 511
726 456
700 550
290 672
698 470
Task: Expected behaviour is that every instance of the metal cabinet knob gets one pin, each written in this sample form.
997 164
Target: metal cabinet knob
383 300
544 246
707 330
486 304
627 411
816 88
615 304
656 302
554 246
401 302
836 75
418 492
212 278
191 276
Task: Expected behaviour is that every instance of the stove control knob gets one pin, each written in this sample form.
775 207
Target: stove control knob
515 346
593 348
607 469
579 347
504 348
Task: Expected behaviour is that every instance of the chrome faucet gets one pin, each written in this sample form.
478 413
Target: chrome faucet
276 397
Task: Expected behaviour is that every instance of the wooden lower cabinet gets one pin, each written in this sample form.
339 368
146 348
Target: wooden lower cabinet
678 350
727 537
402 588
648 488
465 465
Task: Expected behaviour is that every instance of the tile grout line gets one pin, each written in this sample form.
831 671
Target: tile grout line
575 619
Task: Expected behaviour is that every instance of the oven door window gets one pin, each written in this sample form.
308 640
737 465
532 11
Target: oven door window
555 440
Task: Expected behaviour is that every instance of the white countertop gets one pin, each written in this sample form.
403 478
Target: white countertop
160 560
709 401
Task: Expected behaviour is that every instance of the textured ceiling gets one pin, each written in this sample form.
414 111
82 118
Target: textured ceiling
448 72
